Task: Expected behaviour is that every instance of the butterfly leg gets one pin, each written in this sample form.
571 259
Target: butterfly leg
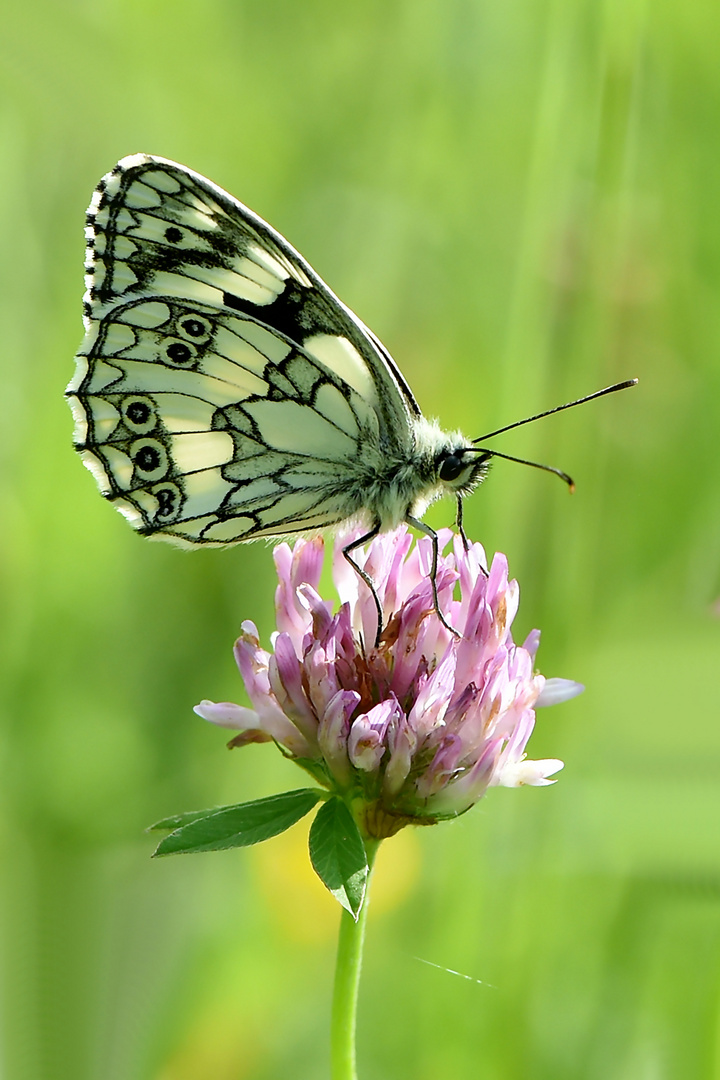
459 523
365 576
422 527
463 534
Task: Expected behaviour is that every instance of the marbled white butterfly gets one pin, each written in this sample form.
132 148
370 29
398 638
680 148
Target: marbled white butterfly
224 393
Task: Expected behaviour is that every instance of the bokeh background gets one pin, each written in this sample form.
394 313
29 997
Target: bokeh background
521 199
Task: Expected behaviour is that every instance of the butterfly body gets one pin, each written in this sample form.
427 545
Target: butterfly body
222 392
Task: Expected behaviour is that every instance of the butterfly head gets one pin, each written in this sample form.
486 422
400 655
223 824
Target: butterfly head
462 468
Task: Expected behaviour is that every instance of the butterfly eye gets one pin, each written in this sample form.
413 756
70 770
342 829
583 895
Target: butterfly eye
194 328
139 414
180 353
452 466
150 459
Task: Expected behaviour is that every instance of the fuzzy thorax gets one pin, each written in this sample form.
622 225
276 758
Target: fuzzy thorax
408 484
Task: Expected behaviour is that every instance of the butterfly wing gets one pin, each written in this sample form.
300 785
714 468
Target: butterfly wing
222 391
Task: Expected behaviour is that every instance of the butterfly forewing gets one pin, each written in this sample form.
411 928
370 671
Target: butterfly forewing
222 391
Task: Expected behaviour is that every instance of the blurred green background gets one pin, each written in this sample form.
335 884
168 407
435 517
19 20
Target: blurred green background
520 198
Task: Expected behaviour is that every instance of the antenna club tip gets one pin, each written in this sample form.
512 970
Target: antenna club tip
571 487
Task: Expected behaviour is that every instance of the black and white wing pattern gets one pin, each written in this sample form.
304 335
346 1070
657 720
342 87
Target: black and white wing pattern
222 391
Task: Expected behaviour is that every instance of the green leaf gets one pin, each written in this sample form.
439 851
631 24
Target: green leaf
338 854
168 824
317 769
235 826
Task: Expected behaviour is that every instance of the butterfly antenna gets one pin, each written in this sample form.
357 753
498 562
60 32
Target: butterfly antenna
523 461
558 408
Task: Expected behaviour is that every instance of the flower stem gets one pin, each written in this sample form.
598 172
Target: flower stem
347 981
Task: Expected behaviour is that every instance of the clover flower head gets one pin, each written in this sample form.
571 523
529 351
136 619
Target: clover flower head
415 728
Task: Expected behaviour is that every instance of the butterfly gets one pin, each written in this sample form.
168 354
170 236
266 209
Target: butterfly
222 391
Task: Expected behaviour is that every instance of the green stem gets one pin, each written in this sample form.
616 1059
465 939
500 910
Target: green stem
347 981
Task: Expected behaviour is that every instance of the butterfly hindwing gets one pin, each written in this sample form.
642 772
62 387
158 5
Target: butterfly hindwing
197 422
222 391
